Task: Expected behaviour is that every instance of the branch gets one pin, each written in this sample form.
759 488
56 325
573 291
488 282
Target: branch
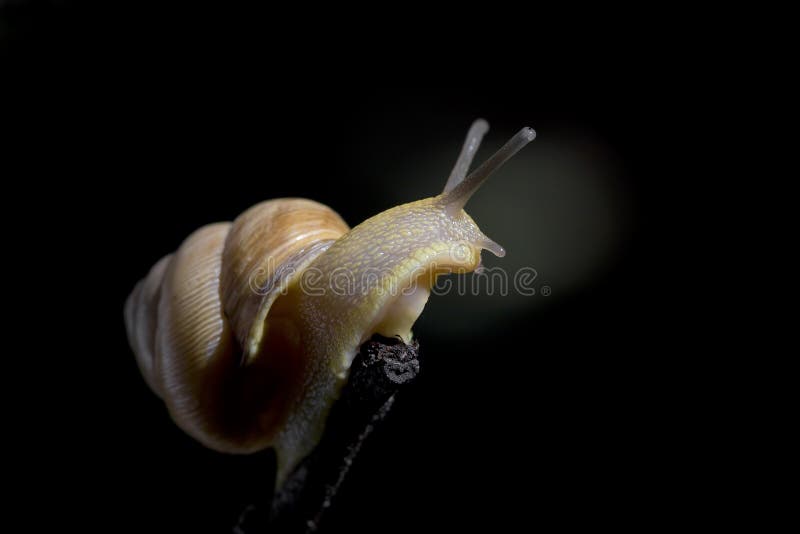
381 368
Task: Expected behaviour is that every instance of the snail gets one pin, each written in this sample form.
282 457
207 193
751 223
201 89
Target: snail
248 330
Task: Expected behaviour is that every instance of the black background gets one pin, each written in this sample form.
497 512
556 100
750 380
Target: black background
134 128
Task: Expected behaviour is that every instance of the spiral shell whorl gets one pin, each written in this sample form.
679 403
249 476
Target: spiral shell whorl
194 344
268 246
141 321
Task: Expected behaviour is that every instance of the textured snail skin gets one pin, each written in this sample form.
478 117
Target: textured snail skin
247 332
401 246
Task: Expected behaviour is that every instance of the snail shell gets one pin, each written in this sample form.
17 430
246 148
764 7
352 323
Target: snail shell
205 301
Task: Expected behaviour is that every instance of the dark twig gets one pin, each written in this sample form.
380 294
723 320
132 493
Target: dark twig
382 366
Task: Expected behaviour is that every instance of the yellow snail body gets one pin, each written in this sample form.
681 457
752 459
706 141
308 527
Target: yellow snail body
248 330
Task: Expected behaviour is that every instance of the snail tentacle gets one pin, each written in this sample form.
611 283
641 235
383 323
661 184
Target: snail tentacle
457 198
471 144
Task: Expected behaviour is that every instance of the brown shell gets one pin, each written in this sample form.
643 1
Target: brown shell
268 246
194 345
140 320
189 343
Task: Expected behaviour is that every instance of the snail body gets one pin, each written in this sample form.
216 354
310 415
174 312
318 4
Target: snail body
248 330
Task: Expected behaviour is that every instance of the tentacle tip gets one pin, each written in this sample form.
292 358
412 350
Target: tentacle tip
493 247
528 133
481 123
